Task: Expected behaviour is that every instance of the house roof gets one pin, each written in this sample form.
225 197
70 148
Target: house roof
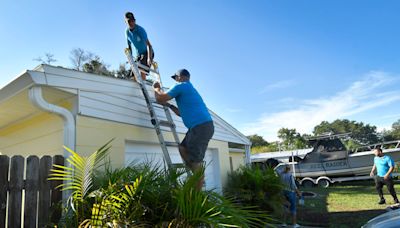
97 96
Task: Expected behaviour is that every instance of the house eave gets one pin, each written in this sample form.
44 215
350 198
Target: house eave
22 82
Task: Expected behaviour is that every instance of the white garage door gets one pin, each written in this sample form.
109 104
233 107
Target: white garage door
140 152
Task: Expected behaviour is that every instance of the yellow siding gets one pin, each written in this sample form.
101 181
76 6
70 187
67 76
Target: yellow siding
93 133
40 135
43 135
237 159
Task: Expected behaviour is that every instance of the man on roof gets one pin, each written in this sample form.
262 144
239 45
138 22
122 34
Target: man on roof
138 43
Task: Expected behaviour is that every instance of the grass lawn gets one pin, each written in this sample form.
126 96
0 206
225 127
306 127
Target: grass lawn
348 204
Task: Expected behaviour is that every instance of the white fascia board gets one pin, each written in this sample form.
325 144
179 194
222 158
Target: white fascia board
39 78
19 84
73 79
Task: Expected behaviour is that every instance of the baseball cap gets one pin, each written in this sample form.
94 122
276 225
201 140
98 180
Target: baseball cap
181 72
129 15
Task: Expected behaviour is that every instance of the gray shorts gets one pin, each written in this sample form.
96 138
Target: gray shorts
196 141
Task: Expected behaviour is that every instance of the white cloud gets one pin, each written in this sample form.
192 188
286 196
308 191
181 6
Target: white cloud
234 110
391 116
278 85
361 96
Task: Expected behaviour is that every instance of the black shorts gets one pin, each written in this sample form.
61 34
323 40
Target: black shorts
142 59
196 141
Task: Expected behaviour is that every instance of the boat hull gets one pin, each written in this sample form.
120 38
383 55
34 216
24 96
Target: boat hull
357 164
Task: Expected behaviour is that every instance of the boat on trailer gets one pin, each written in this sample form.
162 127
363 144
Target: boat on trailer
330 161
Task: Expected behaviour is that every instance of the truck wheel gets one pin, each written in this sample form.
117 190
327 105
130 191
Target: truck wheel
307 184
324 183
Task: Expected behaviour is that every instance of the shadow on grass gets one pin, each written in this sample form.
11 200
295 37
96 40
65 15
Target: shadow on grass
336 219
315 212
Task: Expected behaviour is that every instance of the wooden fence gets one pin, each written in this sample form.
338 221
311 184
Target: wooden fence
30 202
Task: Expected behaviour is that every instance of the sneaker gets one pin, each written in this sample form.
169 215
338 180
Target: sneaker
296 225
396 201
284 225
382 201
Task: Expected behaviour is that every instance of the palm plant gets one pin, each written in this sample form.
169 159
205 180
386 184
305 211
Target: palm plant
78 179
154 191
114 208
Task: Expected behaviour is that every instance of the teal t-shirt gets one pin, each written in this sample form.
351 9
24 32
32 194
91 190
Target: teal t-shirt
138 40
383 164
190 104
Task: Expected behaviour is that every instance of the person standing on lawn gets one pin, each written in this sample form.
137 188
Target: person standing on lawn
290 191
384 165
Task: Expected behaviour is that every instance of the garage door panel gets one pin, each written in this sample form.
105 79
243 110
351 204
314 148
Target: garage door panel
139 152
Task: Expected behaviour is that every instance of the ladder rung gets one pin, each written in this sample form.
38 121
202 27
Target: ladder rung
178 166
144 68
154 101
166 123
157 105
171 144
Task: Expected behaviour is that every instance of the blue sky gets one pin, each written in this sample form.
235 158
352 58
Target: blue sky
261 65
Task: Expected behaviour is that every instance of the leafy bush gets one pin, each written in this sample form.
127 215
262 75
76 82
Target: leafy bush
254 186
143 195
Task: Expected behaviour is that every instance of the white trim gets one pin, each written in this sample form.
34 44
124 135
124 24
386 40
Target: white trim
21 83
237 150
217 168
36 97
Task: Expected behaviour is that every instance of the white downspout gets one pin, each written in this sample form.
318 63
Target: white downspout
36 97
247 153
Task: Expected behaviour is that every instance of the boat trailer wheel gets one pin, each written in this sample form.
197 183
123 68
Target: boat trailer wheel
307 184
324 183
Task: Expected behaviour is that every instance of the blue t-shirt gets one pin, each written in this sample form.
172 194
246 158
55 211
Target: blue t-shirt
383 164
190 104
288 182
138 40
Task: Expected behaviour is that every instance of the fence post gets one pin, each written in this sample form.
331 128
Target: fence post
56 194
44 191
31 190
4 166
15 189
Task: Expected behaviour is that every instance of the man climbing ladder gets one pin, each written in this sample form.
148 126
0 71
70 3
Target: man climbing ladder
195 116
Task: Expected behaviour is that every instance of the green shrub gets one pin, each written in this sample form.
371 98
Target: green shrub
253 186
143 195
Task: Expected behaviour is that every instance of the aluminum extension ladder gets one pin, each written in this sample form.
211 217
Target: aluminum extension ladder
151 105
